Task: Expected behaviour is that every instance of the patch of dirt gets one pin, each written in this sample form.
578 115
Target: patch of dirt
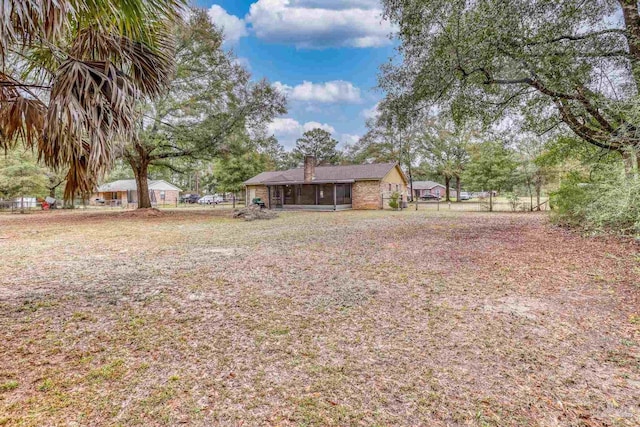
530 308
142 213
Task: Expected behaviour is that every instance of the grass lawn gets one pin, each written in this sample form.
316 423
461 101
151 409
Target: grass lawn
353 318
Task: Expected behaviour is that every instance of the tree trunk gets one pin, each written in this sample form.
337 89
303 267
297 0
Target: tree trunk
458 188
52 192
447 181
538 193
490 200
631 17
140 171
410 183
631 159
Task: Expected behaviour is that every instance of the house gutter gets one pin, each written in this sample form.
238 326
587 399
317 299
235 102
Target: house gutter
341 181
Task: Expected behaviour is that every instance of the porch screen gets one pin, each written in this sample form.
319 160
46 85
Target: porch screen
343 194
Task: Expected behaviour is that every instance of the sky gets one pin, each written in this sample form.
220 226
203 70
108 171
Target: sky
323 54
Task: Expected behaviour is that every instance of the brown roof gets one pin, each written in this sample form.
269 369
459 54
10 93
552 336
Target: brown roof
346 173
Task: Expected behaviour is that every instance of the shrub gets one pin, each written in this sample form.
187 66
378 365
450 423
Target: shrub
514 201
393 203
608 201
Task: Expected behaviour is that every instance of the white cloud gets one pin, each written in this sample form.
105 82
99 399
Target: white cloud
287 130
349 139
336 91
320 24
315 125
371 113
284 126
234 28
338 4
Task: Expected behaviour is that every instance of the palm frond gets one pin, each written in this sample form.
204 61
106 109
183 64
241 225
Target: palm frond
90 111
21 118
148 69
98 58
23 21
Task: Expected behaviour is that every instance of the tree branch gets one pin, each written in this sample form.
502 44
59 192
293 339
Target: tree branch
569 37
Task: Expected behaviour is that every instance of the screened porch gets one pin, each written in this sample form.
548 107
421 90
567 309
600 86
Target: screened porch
321 196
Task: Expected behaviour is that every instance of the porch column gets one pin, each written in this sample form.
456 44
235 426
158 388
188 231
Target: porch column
269 195
335 197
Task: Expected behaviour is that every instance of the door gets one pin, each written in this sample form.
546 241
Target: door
252 195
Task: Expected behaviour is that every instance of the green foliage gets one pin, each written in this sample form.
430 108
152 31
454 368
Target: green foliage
319 143
213 105
571 200
232 170
549 61
607 200
393 202
444 149
20 175
491 167
514 200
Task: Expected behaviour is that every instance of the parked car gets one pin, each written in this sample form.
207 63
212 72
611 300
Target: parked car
210 200
190 198
465 196
430 197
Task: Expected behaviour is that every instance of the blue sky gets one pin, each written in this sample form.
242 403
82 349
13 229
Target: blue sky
324 54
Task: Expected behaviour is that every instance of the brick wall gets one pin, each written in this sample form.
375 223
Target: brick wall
366 195
260 191
170 197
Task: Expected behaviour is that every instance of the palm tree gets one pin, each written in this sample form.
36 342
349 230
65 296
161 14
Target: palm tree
72 73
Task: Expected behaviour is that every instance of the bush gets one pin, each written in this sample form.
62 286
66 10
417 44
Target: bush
393 203
514 201
607 202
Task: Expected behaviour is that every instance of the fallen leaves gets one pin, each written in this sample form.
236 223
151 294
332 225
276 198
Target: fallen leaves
348 318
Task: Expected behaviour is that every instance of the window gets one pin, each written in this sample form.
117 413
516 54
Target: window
162 195
438 192
397 187
389 186
114 196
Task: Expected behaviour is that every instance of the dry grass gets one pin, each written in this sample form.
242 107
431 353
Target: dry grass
351 318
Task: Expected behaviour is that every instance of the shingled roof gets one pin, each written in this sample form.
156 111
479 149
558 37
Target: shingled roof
325 174
425 185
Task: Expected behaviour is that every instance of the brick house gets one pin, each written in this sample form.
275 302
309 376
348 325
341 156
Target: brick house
125 192
328 187
425 188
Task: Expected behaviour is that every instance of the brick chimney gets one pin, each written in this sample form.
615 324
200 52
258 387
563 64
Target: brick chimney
309 169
